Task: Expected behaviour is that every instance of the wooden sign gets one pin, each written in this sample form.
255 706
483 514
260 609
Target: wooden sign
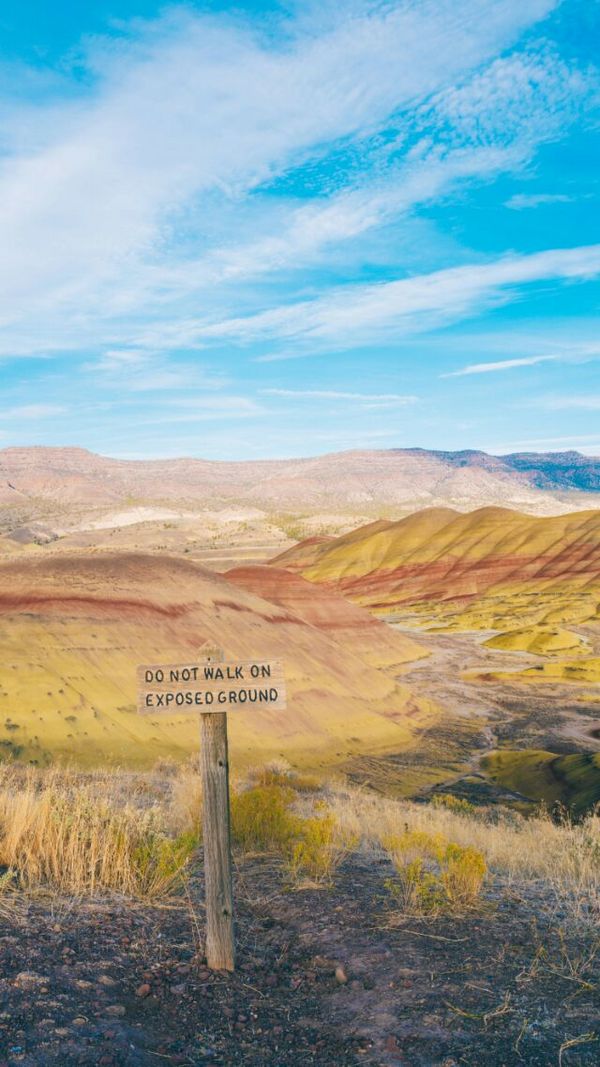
210 687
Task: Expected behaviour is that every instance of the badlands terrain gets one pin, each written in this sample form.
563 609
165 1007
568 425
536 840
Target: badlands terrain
427 648
508 607
223 513
415 844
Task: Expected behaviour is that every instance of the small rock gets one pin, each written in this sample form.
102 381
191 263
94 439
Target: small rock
79 1021
340 975
116 1010
105 979
322 963
143 990
29 980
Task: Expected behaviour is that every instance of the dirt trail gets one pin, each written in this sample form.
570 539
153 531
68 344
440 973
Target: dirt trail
439 676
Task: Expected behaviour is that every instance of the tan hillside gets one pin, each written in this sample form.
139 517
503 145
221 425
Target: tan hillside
407 478
73 629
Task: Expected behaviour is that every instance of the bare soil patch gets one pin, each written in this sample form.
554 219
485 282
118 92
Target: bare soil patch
325 978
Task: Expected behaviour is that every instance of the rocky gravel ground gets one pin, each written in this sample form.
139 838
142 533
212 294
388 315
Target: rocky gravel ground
326 978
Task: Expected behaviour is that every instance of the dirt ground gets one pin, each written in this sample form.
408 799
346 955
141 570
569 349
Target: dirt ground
325 978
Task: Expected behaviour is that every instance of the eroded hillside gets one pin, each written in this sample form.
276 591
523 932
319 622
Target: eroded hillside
73 628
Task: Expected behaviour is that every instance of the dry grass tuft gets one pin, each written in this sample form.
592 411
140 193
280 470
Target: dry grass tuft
319 850
262 820
434 875
186 803
63 833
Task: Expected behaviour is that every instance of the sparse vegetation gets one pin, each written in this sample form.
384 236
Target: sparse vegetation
87 834
432 874
457 873
319 849
262 820
79 837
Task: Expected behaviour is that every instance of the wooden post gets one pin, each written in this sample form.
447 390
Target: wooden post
220 947
163 690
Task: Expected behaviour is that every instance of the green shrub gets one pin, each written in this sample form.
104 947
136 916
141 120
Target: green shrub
432 874
159 863
318 851
261 819
452 803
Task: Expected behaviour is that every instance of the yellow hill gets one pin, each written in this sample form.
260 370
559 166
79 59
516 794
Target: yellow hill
542 642
74 627
586 670
479 570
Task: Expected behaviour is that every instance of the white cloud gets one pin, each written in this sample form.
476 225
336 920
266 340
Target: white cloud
500 365
33 411
521 201
365 400
204 409
345 317
528 94
195 113
139 370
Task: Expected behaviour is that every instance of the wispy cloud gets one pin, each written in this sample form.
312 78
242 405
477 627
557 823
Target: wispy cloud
33 411
499 365
203 409
139 370
203 193
194 113
521 201
344 317
368 401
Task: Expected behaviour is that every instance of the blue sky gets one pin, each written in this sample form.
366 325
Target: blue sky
260 230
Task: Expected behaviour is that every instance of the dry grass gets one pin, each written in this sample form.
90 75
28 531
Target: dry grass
319 850
65 833
434 875
84 834
262 819
562 857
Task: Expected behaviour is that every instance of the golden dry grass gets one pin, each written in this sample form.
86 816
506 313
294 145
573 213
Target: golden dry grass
561 858
62 832
85 834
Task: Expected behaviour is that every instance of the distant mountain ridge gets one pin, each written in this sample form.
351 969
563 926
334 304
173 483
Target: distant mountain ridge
546 470
411 479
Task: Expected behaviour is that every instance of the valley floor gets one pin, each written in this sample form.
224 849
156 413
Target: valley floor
483 710
113 985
